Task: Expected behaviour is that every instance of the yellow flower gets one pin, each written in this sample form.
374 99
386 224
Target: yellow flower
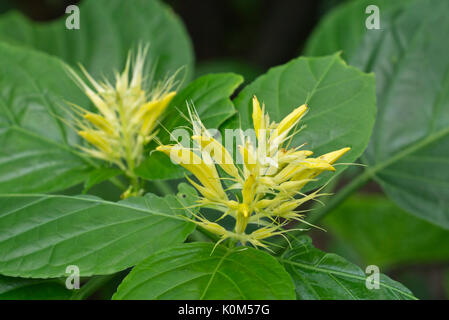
269 181
126 115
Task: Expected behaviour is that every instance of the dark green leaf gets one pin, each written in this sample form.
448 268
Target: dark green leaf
32 289
40 235
344 27
385 235
326 276
193 271
341 100
409 151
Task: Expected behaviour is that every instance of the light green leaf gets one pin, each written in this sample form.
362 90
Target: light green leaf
210 96
341 100
326 276
195 271
38 152
40 235
385 235
103 40
409 151
32 289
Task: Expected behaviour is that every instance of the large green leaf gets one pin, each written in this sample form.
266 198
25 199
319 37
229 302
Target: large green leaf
40 235
341 99
108 30
210 97
385 235
326 276
195 271
37 151
32 289
409 151
344 27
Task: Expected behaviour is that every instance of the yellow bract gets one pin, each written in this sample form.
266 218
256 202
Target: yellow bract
270 179
126 115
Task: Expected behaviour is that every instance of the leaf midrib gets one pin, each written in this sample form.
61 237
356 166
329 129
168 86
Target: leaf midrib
343 274
409 150
212 275
98 201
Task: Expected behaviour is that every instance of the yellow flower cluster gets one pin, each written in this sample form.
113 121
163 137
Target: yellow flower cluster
269 181
125 118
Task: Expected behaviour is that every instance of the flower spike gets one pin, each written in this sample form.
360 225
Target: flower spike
268 181
126 116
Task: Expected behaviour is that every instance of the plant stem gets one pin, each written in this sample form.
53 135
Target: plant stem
91 286
135 183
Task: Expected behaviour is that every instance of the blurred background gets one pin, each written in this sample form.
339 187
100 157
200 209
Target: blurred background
247 37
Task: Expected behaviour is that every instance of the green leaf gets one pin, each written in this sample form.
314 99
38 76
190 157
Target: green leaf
32 289
103 40
40 235
100 175
196 271
210 96
327 276
385 235
38 151
408 153
343 28
341 100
